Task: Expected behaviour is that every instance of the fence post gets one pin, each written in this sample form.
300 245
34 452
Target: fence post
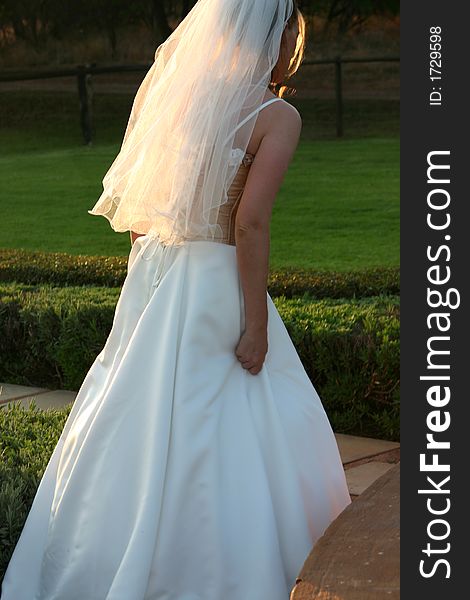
85 94
339 97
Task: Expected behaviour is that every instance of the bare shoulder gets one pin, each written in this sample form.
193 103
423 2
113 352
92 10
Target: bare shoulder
283 121
279 120
284 109
292 120
289 111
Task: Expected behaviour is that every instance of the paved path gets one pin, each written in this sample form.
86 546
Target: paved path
358 556
364 459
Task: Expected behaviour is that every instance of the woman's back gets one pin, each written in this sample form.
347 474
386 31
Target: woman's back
271 145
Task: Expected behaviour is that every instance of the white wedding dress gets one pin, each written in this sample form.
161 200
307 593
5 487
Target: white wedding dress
179 475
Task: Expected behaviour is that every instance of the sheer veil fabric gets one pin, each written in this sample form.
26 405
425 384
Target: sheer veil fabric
174 169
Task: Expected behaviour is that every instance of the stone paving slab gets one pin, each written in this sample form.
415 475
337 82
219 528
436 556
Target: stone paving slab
358 556
361 477
353 447
12 391
47 400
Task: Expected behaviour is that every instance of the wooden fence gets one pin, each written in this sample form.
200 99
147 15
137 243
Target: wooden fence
84 74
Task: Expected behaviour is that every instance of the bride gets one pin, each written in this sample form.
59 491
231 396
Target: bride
197 462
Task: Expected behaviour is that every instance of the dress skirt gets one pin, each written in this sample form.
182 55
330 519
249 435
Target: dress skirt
179 475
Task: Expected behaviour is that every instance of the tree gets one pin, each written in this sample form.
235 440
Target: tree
107 15
29 19
154 15
349 14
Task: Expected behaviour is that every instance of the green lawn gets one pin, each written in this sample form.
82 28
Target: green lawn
338 207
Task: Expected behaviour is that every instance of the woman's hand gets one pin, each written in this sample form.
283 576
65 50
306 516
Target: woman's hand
252 348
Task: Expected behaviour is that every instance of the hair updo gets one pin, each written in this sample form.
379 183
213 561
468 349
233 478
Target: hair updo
278 88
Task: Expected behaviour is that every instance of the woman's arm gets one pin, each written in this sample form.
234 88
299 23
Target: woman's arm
252 233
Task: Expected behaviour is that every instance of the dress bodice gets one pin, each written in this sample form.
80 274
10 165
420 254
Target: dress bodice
228 210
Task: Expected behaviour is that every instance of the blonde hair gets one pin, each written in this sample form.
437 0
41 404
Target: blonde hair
278 88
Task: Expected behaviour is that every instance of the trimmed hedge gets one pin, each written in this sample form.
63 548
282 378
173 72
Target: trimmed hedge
27 440
349 348
66 269
351 352
60 268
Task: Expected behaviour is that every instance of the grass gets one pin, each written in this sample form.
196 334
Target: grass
338 207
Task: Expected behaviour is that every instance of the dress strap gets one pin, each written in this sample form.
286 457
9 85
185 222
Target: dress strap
254 113
257 110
